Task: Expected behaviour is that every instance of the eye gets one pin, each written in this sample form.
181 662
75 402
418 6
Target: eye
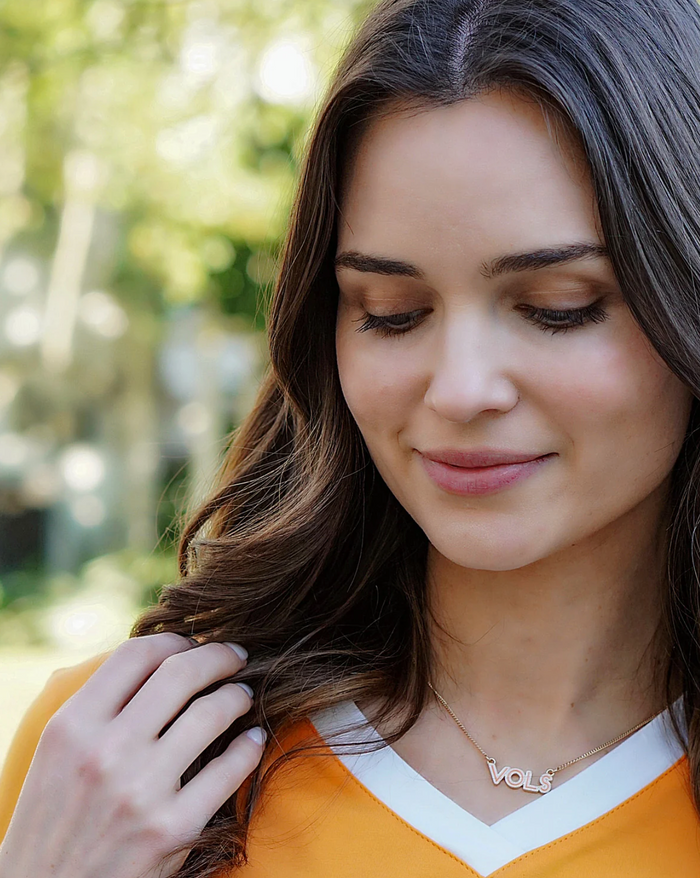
546 319
550 320
391 324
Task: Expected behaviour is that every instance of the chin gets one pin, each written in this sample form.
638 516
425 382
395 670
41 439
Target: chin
483 552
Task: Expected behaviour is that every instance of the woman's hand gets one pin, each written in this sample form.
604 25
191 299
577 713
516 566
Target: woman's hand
102 798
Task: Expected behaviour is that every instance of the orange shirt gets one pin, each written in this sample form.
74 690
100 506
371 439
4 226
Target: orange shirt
318 821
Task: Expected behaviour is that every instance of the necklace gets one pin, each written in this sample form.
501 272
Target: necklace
516 778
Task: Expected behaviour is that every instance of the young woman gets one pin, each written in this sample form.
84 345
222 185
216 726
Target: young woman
457 535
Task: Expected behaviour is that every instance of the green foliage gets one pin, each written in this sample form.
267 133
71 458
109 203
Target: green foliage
191 147
172 130
45 611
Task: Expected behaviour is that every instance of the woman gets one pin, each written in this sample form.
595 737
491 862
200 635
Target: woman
461 519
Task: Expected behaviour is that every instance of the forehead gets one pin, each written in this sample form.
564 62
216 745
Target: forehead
484 167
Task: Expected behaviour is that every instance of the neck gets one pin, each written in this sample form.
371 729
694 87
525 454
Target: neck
570 639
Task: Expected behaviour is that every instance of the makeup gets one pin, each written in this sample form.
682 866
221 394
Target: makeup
477 480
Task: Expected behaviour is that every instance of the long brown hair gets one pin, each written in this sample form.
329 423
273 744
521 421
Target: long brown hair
302 554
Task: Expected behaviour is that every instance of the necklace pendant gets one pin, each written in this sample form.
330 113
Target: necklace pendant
516 778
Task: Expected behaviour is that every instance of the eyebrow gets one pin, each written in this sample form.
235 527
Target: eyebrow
512 262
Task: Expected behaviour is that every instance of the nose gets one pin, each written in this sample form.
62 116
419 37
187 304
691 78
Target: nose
470 373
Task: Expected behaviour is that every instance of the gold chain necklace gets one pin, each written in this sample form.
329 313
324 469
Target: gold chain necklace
516 778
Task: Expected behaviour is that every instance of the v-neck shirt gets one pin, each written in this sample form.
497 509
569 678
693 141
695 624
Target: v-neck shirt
606 783
370 815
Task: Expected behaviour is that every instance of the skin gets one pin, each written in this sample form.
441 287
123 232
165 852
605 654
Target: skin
546 594
103 795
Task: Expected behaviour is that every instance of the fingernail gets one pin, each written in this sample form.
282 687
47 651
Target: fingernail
246 688
258 735
240 651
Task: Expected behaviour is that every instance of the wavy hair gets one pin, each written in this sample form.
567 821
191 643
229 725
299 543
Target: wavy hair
302 553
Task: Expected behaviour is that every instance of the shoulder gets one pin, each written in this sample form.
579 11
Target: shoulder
64 682
61 685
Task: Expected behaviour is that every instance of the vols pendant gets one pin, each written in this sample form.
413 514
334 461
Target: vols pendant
517 779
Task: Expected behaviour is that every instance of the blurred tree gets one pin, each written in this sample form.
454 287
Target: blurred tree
148 152
183 121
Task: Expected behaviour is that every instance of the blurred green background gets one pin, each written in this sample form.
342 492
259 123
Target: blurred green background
148 153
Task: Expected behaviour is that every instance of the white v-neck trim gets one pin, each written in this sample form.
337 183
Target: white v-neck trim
604 785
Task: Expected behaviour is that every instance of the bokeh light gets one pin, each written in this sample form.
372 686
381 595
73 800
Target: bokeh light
20 276
103 314
23 326
82 468
286 73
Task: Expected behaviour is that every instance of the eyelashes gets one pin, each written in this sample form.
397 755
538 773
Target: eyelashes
551 320
546 319
392 324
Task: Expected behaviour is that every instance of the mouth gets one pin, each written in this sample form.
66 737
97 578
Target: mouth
484 472
480 457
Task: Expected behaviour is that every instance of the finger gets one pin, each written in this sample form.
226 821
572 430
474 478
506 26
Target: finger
178 679
200 724
220 778
123 674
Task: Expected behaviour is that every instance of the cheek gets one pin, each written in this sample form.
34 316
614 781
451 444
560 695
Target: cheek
625 412
380 387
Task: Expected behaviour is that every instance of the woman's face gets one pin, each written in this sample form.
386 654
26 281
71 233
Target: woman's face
462 228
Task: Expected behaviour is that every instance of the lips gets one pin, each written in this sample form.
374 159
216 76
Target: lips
480 472
481 457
